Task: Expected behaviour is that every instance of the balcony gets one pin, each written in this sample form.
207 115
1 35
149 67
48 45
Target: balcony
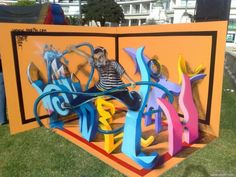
132 1
127 3
137 12
70 9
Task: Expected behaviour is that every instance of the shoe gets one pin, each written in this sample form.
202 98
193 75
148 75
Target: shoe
137 99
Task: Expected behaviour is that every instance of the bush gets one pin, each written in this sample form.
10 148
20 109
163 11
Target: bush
25 3
73 20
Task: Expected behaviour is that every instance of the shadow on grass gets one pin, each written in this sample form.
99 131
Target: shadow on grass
186 152
191 169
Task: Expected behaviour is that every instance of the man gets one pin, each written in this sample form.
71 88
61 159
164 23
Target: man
110 74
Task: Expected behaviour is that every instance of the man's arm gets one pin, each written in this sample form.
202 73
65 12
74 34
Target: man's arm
119 68
79 52
129 79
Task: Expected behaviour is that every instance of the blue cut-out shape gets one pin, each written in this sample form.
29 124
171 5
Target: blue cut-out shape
132 53
58 91
49 56
132 130
86 111
88 120
54 122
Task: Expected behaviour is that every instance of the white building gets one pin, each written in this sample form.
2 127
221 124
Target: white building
140 12
180 8
135 11
232 17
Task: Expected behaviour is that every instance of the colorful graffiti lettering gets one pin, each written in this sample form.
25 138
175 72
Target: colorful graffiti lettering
96 114
152 107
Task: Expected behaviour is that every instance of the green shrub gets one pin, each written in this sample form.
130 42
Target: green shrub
25 3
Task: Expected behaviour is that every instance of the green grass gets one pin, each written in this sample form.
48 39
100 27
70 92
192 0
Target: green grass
40 152
219 157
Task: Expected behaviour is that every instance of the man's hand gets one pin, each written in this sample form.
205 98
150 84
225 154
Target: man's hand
129 79
71 48
133 84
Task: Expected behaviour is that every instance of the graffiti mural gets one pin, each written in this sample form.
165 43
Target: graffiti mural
62 96
140 99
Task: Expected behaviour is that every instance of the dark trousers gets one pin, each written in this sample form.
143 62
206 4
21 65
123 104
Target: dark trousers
131 99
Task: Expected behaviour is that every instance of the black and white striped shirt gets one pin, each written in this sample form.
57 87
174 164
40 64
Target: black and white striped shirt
109 75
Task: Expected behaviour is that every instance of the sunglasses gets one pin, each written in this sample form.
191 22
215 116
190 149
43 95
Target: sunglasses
100 49
154 69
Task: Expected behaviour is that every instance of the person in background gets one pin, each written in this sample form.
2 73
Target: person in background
3 118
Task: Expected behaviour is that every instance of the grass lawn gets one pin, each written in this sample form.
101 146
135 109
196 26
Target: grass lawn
40 152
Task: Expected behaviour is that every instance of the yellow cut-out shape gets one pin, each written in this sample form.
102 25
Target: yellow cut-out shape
182 69
111 142
147 142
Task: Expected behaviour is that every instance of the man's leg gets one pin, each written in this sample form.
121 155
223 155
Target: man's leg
82 98
131 99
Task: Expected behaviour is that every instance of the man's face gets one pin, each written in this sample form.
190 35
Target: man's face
155 68
100 59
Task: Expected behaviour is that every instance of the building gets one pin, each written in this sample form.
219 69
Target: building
182 9
136 11
232 17
142 12
183 6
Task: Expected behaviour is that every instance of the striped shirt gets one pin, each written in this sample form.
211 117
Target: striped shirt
109 75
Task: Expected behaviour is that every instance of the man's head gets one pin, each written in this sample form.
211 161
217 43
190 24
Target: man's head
100 56
154 68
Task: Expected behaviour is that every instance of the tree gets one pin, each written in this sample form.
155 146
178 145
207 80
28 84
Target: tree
25 3
102 11
73 20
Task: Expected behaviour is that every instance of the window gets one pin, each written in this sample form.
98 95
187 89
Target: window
145 8
125 23
230 37
232 25
143 21
189 2
126 9
136 8
134 22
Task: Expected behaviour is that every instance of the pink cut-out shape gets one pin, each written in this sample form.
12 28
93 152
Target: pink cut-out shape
189 110
175 127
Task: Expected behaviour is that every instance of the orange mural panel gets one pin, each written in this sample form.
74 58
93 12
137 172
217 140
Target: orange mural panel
198 44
